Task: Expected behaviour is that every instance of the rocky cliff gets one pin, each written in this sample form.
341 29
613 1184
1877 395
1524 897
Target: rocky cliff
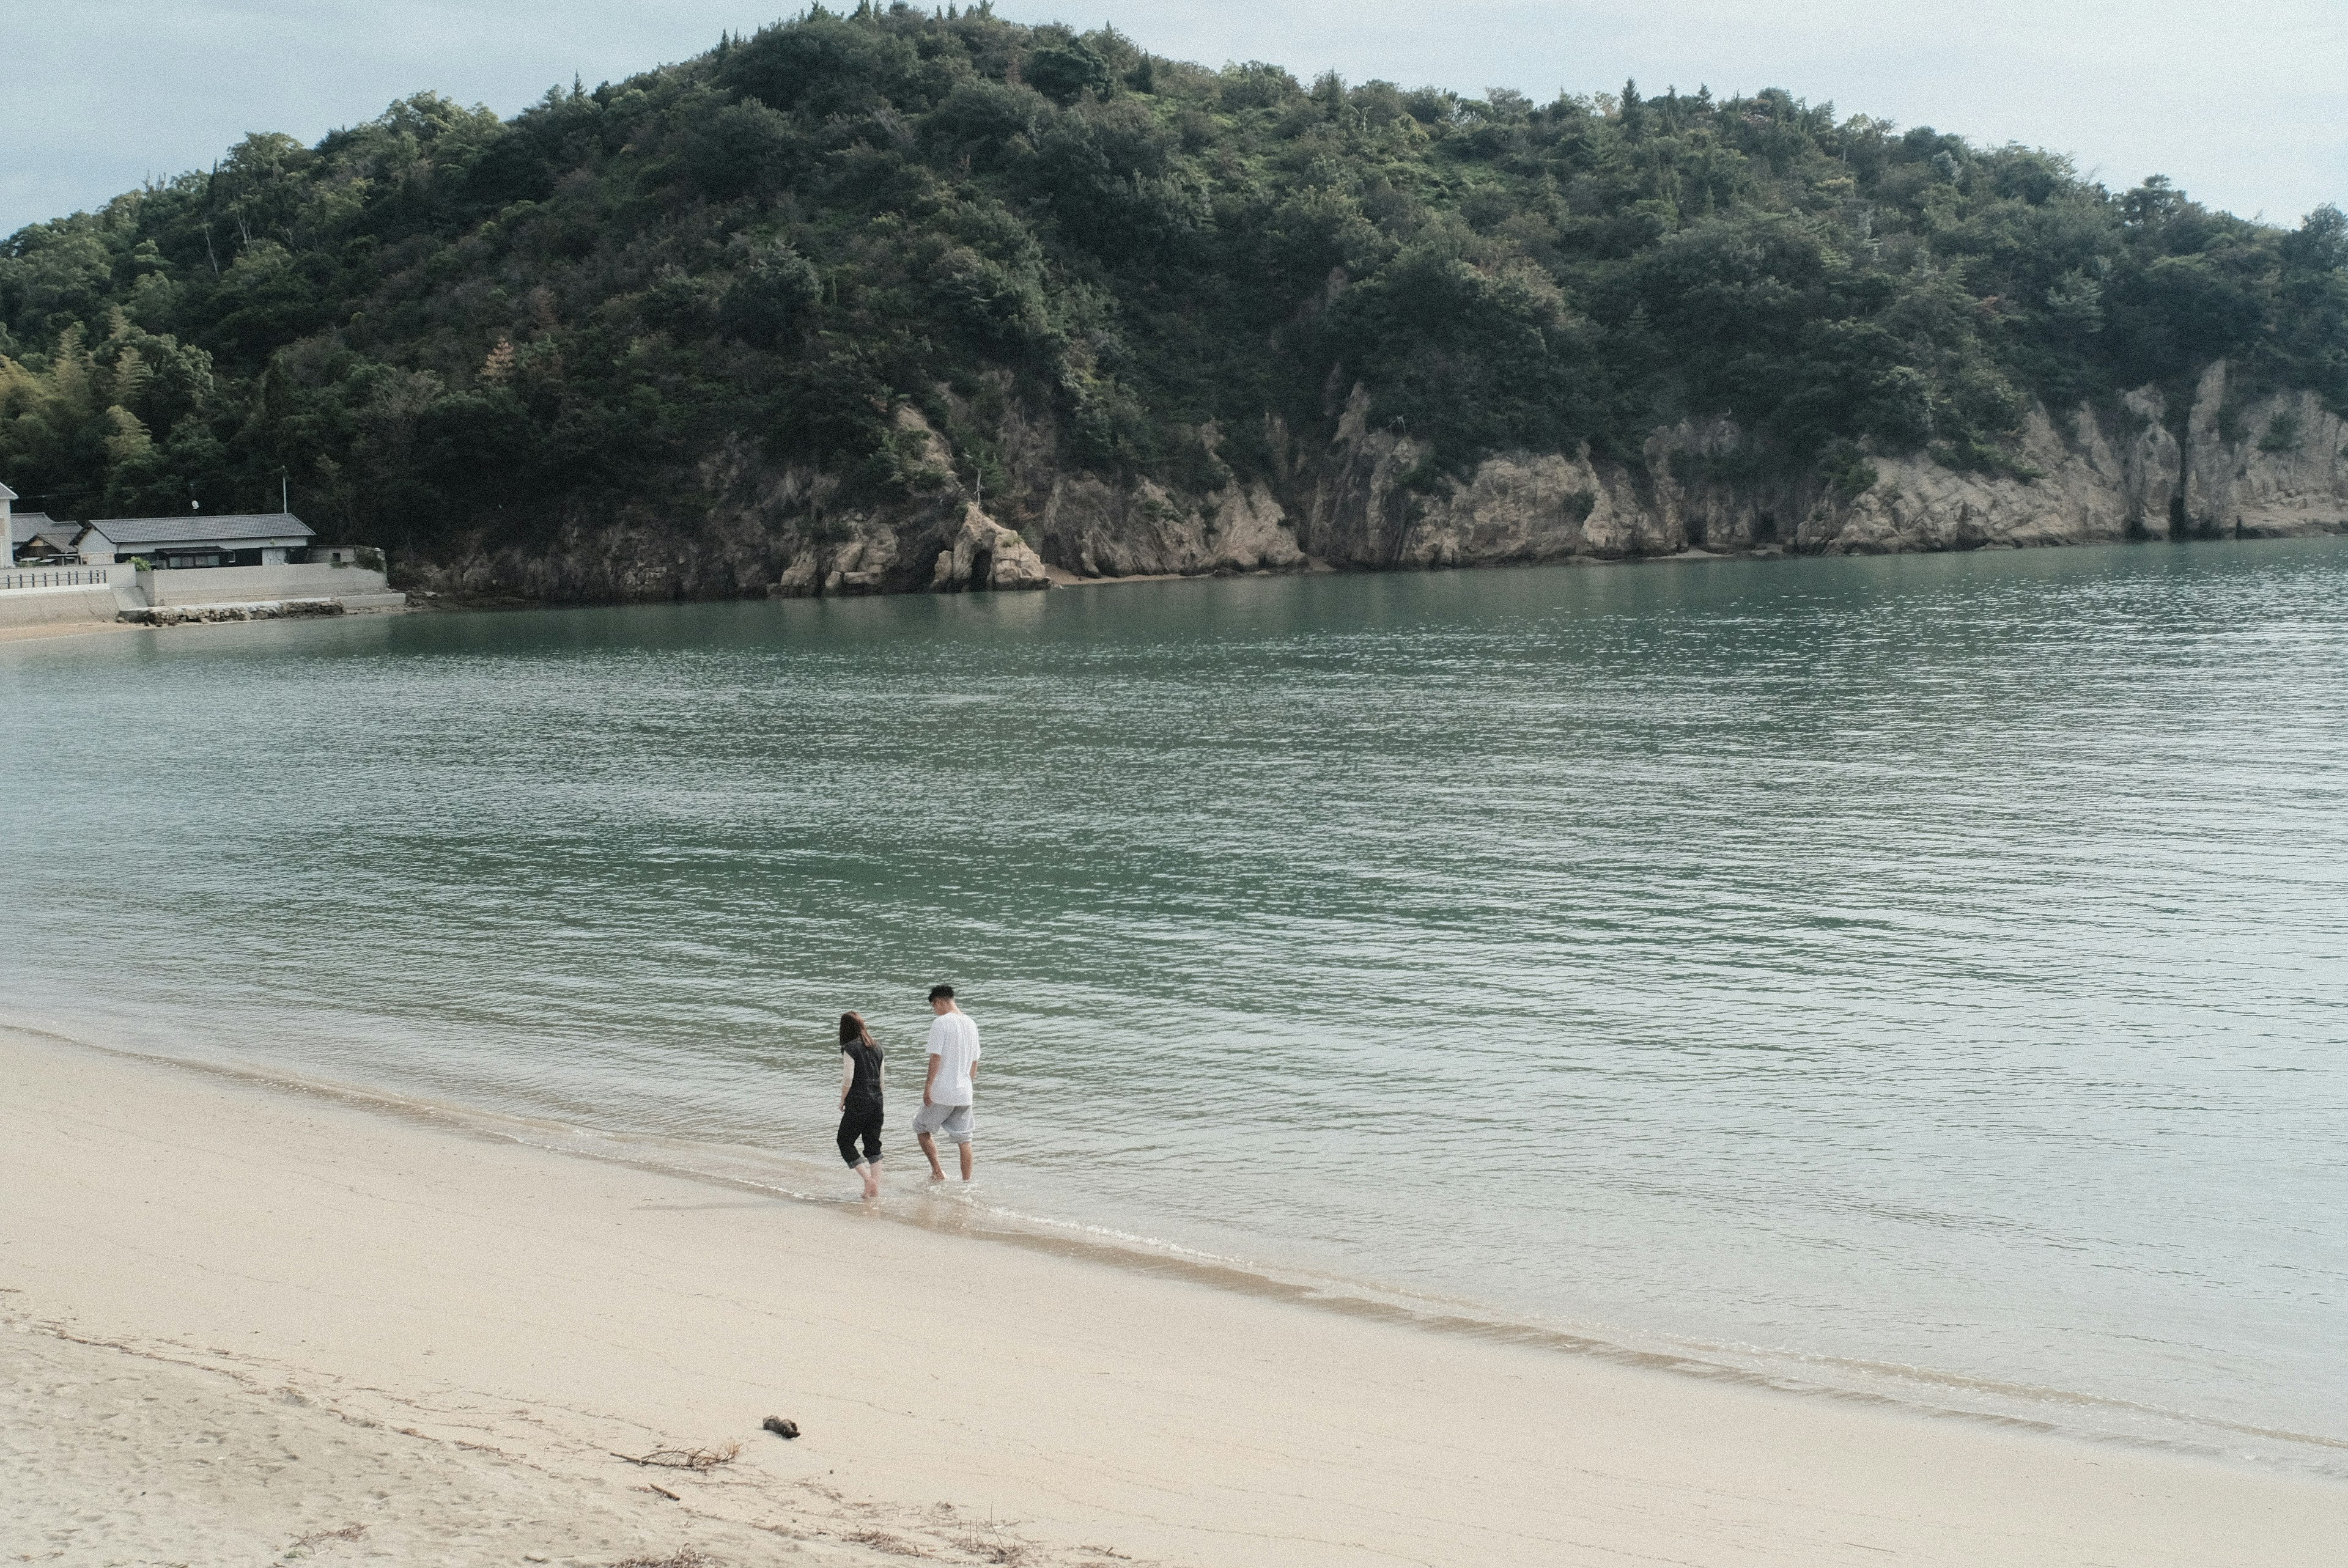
2271 467
2205 464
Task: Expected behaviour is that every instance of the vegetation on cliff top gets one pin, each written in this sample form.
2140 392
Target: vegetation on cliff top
449 328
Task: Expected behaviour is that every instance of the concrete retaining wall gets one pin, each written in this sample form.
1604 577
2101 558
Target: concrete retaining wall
258 584
56 605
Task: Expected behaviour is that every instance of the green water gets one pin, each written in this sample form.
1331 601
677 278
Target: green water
1916 975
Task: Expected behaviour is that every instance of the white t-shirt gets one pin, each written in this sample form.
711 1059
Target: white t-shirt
954 1040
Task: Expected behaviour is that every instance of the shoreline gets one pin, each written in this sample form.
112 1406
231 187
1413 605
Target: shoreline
1926 1392
46 632
1061 576
424 601
546 1310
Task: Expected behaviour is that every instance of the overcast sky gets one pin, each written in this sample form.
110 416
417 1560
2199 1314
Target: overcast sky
2246 104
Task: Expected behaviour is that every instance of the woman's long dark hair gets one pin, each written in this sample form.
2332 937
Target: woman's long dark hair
851 1027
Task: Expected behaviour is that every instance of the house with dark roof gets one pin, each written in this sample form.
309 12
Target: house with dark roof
258 538
38 537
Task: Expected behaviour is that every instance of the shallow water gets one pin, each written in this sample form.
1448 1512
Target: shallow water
1918 975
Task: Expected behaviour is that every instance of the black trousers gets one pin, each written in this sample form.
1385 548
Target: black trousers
859 1122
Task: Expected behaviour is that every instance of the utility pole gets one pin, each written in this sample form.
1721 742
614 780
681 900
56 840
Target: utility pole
285 494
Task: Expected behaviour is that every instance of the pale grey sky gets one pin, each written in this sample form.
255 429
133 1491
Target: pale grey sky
2245 105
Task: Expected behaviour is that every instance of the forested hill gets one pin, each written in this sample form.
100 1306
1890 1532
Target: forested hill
455 332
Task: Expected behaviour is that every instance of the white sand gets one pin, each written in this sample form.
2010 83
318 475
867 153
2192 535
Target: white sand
115 1456
328 1317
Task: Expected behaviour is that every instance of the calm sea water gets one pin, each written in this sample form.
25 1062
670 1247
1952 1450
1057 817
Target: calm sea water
1919 975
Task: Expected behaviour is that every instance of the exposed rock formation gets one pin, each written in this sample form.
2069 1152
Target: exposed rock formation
195 614
2266 466
985 554
2280 474
979 554
1095 530
861 564
2272 468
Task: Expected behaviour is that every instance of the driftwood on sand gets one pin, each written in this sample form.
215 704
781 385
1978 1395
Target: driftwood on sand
683 1459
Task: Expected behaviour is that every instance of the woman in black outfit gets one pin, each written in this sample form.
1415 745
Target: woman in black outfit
859 1100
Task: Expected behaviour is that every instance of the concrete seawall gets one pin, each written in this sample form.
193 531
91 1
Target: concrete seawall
58 606
267 585
103 594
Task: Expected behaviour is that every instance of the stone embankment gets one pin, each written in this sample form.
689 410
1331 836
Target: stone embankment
2213 464
202 614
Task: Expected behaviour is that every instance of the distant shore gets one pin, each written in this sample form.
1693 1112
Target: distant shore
392 1336
1061 576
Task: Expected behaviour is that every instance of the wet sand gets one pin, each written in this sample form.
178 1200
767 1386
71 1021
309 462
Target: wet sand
64 628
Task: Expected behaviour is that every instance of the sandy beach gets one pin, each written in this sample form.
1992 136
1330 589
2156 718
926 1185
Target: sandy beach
242 1319
45 633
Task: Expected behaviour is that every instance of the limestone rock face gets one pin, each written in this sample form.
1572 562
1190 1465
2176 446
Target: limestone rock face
986 555
2271 467
2220 462
2095 485
800 579
1375 506
860 565
2284 474
1096 529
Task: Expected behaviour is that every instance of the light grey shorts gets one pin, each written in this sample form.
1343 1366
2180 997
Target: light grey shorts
951 1123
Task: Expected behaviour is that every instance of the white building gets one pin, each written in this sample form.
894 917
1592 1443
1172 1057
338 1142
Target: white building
262 538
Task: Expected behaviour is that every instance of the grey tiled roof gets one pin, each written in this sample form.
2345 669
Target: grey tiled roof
22 526
200 529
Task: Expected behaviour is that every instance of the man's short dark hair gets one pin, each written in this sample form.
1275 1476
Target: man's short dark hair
938 992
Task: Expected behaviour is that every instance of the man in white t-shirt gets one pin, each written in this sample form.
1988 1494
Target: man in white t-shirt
947 1095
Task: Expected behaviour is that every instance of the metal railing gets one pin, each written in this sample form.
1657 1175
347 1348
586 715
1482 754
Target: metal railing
55 577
